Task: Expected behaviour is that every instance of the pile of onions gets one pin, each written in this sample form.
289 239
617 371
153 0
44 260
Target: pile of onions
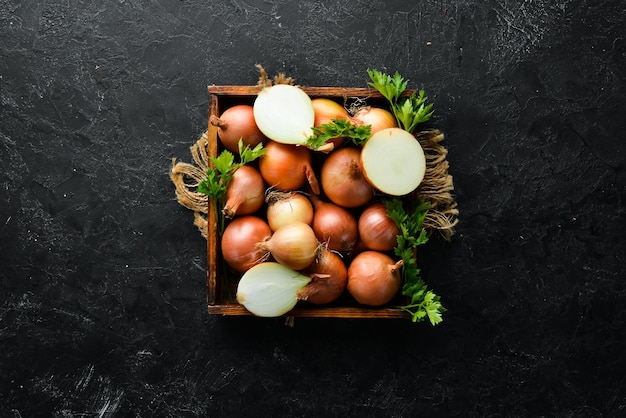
239 242
246 192
329 277
374 278
376 117
293 245
343 180
287 167
334 225
337 239
377 231
237 123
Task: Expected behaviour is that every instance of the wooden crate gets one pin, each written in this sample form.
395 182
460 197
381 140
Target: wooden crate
221 285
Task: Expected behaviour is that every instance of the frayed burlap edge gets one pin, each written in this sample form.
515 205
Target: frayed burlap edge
436 188
186 178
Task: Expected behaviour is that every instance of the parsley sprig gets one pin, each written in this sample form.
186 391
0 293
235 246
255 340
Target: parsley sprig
423 302
409 111
220 174
338 128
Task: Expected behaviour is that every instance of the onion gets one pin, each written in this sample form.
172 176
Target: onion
377 231
239 240
393 161
342 178
334 225
287 167
237 123
325 111
293 245
269 289
245 194
284 113
329 277
376 117
287 207
373 278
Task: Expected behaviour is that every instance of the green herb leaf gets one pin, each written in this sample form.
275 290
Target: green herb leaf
423 302
408 111
223 162
390 87
248 155
219 176
338 128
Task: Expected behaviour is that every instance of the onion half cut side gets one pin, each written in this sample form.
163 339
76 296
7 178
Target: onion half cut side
393 161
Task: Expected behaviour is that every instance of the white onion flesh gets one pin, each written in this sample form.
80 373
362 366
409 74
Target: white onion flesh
393 161
269 289
285 114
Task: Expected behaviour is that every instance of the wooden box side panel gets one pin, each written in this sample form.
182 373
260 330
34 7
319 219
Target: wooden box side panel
213 283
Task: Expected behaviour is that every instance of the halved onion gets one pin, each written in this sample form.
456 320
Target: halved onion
393 161
269 289
284 113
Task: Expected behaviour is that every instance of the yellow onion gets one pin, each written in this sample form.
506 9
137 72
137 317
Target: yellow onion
329 276
269 289
286 207
284 113
377 231
288 167
393 161
376 117
293 245
374 278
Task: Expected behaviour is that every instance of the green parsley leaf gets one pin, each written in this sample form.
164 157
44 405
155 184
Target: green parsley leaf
408 111
423 302
338 128
220 174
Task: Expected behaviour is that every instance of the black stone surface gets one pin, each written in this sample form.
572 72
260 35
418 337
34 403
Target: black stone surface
102 309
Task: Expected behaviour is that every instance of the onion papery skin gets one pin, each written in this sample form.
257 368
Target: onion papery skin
287 167
237 123
377 231
293 245
376 117
329 277
269 289
374 278
342 178
246 192
393 161
286 207
284 113
325 111
239 240
334 226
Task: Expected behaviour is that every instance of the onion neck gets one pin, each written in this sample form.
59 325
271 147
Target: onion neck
215 121
395 267
231 206
312 179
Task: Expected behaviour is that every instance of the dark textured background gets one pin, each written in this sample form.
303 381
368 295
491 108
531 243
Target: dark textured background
102 304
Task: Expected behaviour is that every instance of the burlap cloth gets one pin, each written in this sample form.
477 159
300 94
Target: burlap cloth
437 187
